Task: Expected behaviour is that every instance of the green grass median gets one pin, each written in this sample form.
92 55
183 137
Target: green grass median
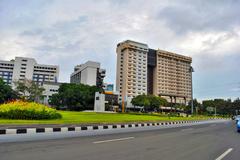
69 117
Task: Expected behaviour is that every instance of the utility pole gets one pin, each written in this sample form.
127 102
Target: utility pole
215 114
123 107
191 70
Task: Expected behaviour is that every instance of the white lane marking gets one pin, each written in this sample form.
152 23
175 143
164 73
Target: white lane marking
187 129
224 154
113 140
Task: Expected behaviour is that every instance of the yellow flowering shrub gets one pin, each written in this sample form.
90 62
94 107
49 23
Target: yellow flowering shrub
27 110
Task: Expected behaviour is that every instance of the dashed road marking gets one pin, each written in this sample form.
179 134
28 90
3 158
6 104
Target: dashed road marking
187 129
113 140
224 154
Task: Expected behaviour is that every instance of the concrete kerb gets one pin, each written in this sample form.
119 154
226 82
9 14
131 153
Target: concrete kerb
94 127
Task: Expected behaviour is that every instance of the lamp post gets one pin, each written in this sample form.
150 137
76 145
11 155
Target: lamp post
191 70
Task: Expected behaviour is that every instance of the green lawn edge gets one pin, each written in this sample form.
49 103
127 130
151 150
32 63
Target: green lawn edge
70 117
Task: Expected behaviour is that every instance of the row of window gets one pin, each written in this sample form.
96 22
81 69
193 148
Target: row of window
6 64
53 90
44 71
6 68
5 73
48 68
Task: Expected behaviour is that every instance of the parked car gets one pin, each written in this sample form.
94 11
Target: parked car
238 126
237 118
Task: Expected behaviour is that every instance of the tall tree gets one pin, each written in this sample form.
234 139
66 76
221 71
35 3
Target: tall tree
29 90
75 96
149 102
6 92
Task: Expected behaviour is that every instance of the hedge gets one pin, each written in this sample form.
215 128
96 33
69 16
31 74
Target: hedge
27 111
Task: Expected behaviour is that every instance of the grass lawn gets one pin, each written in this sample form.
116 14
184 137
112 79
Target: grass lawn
69 117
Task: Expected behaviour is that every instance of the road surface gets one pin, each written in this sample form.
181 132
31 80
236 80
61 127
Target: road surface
214 141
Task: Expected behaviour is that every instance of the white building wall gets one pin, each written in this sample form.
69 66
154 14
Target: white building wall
50 89
88 73
89 76
25 68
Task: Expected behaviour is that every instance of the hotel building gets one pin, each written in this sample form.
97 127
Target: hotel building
141 70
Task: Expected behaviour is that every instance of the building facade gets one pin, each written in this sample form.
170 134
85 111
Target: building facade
27 68
131 70
108 87
88 73
50 88
142 70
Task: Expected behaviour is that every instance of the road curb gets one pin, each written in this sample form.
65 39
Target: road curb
93 128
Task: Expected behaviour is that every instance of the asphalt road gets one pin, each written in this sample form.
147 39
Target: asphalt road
214 141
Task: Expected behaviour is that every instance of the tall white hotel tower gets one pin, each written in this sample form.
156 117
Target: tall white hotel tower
141 70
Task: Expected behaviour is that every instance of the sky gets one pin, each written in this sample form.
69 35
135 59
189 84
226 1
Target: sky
70 32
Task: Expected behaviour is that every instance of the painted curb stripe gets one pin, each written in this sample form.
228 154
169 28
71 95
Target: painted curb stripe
84 128
40 130
66 129
71 128
21 131
56 129
3 131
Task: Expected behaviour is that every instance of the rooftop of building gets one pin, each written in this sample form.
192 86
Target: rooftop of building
81 67
167 53
27 58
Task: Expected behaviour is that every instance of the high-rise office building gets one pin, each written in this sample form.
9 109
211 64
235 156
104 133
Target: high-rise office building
27 68
141 70
88 73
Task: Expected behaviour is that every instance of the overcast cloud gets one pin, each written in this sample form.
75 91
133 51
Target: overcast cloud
70 32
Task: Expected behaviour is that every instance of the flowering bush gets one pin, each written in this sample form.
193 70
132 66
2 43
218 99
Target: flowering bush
27 110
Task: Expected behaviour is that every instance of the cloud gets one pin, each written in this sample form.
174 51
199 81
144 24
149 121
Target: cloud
188 16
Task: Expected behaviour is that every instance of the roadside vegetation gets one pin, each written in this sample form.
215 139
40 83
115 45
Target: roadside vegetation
74 97
73 117
27 111
21 106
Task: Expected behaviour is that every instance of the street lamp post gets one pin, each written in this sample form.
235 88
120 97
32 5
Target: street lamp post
191 70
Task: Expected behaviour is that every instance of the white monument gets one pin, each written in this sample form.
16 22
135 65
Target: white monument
99 102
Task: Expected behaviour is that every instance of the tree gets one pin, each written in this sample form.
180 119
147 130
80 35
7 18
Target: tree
149 102
55 100
75 96
29 90
140 100
154 101
197 107
223 107
35 92
6 92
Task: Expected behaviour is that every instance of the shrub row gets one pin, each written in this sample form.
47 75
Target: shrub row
27 111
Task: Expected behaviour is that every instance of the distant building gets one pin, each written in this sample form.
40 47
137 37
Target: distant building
22 68
108 87
27 68
88 73
141 70
50 89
